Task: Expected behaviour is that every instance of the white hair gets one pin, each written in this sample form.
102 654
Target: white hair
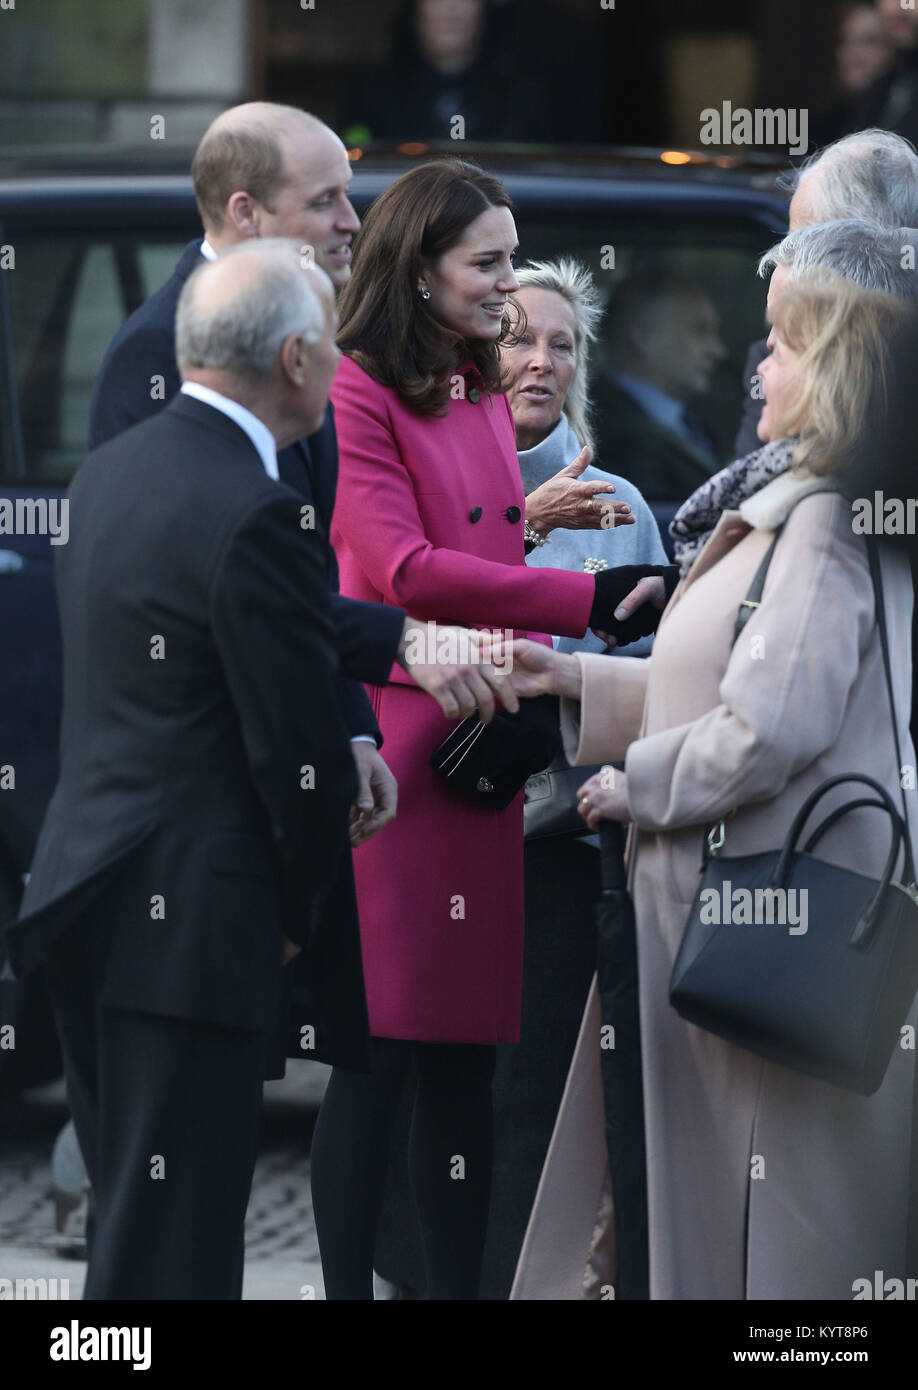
871 174
868 255
243 334
574 283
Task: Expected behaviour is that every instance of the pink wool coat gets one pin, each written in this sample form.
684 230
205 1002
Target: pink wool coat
762 1183
421 522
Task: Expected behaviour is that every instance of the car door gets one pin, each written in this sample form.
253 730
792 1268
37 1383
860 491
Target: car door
63 295
64 299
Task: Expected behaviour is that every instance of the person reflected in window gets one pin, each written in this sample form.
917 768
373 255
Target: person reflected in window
664 343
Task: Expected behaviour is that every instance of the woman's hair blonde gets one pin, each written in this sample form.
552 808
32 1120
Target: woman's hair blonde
574 283
843 336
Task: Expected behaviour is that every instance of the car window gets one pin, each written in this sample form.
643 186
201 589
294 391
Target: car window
69 296
67 300
719 257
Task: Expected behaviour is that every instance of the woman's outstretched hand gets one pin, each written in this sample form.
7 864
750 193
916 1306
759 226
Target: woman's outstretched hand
531 669
604 797
568 504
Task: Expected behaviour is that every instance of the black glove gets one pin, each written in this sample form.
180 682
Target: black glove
614 585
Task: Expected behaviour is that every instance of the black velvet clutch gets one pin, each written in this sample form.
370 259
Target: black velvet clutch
490 763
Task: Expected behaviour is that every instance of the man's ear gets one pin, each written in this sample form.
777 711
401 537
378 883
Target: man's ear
243 213
294 359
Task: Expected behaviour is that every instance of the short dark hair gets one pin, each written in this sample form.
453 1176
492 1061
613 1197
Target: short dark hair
384 324
248 156
639 291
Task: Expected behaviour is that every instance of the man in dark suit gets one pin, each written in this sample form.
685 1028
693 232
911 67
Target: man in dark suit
194 839
264 170
663 344
205 782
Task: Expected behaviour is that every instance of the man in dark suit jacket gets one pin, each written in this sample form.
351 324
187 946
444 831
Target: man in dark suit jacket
263 170
268 170
205 783
664 343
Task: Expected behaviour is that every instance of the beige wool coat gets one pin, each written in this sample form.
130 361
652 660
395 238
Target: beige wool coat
762 1182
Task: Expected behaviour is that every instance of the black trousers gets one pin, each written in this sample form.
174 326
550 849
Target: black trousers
167 1112
448 1152
562 885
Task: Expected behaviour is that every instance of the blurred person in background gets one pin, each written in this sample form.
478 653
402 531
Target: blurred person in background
871 175
708 730
506 67
446 63
864 48
891 102
664 342
864 51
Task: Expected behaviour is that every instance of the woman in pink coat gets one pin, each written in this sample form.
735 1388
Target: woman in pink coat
430 517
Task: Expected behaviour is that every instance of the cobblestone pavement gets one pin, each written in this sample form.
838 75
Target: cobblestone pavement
282 1256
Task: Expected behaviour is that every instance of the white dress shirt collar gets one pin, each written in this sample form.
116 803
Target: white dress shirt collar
207 251
256 429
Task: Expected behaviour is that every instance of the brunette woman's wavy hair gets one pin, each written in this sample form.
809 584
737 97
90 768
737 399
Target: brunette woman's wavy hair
384 324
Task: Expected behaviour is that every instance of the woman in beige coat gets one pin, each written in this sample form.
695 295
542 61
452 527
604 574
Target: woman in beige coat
762 1182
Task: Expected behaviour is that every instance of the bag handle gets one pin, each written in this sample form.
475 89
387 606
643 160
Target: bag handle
714 837
864 927
753 597
836 815
876 575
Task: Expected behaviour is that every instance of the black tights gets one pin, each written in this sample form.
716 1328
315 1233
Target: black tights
450 1163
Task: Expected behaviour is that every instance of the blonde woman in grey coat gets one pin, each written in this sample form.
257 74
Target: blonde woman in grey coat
547 382
763 1183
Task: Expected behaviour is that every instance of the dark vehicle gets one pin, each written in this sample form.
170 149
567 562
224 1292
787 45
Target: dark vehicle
80 250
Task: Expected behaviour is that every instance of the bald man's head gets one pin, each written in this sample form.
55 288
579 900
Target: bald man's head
264 170
235 313
871 175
